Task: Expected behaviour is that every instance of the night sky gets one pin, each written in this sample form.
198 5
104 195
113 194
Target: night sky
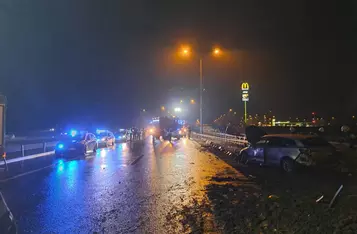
61 61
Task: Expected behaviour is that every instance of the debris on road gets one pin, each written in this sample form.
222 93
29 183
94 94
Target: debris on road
273 197
319 199
334 197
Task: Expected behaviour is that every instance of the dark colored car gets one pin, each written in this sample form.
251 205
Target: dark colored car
81 143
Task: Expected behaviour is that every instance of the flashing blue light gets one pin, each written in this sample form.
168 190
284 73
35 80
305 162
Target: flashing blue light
73 132
60 146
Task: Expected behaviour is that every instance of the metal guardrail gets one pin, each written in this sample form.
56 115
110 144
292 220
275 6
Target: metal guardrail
22 149
222 138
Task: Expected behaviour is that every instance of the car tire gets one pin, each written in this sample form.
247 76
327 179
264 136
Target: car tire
243 158
287 165
95 148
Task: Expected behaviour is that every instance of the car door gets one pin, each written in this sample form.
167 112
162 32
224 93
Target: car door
87 140
258 151
111 137
278 147
92 142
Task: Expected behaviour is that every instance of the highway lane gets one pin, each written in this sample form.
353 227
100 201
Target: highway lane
125 189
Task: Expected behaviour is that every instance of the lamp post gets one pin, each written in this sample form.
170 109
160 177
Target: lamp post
201 97
186 52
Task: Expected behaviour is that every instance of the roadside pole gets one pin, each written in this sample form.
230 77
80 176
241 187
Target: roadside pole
2 128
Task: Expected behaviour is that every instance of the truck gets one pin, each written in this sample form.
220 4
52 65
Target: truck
167 127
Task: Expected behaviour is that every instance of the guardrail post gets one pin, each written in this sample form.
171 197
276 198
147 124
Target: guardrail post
44 146
23 150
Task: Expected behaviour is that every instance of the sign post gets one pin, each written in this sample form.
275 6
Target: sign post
245 98
2 128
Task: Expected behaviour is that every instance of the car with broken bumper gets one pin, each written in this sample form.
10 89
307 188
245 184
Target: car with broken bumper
288 151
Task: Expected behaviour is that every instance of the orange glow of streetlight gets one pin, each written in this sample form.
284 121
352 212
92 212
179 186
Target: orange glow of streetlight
185 51
217 51
192 101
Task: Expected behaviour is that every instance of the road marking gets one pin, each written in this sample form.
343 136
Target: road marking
27 157
26 173
136 160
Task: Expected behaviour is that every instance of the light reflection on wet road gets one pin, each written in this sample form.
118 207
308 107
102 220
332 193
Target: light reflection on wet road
118 190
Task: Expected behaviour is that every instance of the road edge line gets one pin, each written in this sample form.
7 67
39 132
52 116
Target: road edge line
26 173
27 157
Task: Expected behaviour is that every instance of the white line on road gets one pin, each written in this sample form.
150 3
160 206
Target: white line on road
27 157
26 173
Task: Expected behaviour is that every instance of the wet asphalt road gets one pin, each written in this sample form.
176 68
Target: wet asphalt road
124 189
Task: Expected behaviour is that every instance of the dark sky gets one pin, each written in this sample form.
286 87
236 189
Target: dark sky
106 60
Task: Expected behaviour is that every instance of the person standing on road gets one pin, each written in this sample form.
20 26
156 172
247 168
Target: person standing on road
189 130
130 132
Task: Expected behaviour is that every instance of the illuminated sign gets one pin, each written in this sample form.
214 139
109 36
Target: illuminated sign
245 86
245 97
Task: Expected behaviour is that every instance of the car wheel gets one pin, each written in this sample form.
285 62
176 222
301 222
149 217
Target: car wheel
243 159
287 165
95 148
85 150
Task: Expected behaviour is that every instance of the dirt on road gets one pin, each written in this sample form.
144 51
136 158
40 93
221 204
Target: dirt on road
265 200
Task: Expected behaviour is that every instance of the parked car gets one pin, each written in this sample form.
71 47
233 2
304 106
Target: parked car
82 143
105 138
288 150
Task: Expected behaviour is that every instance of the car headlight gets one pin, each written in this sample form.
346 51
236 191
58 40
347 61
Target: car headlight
60 146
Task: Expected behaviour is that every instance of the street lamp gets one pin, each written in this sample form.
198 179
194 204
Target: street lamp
217 51
186 52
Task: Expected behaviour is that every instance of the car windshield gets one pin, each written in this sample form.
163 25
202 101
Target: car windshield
315 142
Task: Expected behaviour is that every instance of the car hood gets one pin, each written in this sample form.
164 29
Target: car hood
254 134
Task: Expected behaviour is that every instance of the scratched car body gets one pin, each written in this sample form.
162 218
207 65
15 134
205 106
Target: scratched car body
288 150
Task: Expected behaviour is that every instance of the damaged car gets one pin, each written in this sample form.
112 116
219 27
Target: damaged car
286 150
